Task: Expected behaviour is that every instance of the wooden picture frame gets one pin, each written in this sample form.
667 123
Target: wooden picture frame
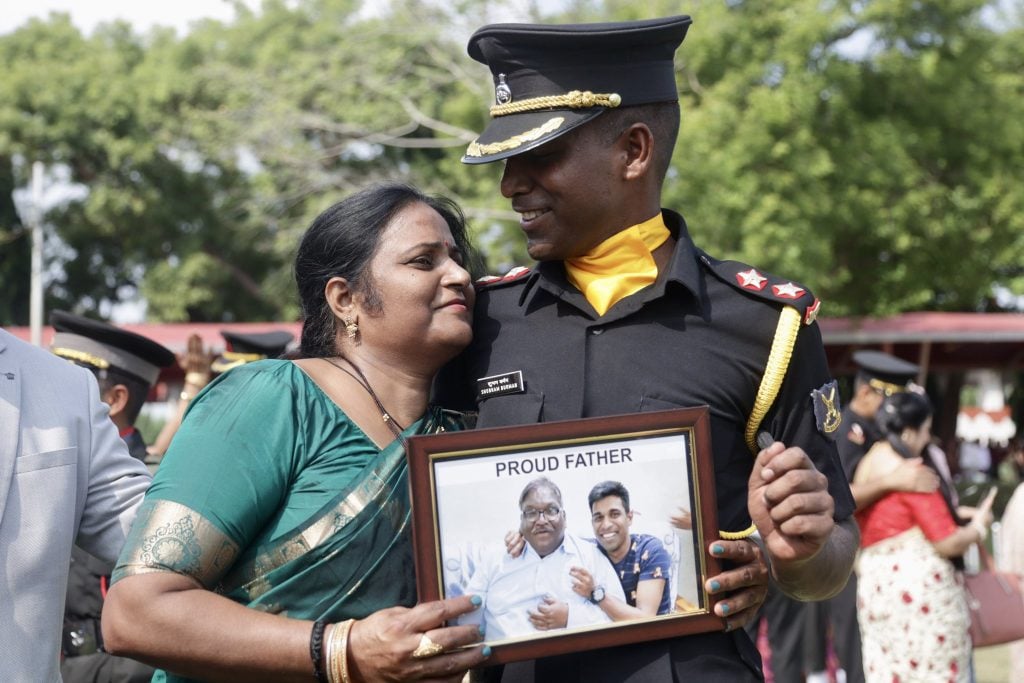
466 489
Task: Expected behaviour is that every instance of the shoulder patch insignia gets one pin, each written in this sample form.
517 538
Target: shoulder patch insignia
764 286
511 276
826 408
856 434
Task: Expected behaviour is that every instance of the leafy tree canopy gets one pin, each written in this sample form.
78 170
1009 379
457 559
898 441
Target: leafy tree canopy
870 149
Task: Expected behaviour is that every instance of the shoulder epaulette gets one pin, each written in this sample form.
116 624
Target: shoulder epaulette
764 286
491 281
798 307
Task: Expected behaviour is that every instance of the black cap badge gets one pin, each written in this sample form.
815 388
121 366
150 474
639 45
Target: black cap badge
502 93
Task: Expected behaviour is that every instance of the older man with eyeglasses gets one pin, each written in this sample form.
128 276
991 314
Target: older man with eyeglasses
534 591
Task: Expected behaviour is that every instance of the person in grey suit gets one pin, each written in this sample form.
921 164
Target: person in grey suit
65 478
126 366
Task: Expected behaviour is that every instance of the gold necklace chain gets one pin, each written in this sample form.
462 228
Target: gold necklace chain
396 428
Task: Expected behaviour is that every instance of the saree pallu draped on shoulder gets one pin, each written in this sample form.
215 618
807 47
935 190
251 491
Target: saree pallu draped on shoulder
351 558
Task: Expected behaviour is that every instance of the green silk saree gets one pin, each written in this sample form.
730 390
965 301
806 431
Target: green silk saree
335 545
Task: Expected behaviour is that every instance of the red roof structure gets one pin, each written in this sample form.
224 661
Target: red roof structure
938 342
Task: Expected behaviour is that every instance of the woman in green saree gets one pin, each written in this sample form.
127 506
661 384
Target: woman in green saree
274 543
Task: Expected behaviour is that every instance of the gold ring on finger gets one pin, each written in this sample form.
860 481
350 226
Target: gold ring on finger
427 648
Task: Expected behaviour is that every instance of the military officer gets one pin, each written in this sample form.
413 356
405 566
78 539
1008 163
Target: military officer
625 314
878 375
126 366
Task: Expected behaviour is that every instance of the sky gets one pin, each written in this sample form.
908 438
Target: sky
86 14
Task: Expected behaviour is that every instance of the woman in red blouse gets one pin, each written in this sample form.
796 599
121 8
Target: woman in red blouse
913 617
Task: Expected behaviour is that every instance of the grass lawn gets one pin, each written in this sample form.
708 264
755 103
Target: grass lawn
992 664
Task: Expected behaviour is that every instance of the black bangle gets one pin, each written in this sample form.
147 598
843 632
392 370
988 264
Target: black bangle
316 649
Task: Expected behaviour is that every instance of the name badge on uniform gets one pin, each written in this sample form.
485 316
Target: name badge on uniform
826 409
500 385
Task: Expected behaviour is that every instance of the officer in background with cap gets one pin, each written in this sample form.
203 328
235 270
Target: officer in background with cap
126 366
878 375
625 314
246 347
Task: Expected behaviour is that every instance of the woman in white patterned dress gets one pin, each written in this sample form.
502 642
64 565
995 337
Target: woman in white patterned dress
913 617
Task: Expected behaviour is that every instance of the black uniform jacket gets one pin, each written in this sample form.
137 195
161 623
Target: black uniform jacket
696 337
136 445
854 439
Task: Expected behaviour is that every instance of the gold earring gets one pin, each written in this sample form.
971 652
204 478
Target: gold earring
351 327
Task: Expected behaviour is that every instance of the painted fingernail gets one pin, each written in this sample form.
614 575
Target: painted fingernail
728 626
717 549
482 630
476 600
725 607
715 585
486 652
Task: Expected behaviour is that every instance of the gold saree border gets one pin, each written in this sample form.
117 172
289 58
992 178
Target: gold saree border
169 536
249 576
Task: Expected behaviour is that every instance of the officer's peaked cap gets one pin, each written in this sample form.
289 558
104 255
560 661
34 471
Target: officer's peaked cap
245 347
552 78
885 372
101 346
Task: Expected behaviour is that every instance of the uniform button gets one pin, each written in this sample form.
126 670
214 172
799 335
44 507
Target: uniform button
597 330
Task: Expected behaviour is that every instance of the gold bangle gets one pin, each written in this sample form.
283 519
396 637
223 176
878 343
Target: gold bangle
328 649
337 653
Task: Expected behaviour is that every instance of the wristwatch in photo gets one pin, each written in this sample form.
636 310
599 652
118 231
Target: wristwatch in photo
597 595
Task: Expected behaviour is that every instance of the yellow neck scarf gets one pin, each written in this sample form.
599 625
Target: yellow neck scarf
619 266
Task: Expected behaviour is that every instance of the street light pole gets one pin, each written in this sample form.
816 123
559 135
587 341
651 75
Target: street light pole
35 302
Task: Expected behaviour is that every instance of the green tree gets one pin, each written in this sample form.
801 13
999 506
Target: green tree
15 252
881 175
92 107
856 146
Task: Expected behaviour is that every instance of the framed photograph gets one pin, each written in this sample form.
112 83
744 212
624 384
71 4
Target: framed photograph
577 534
